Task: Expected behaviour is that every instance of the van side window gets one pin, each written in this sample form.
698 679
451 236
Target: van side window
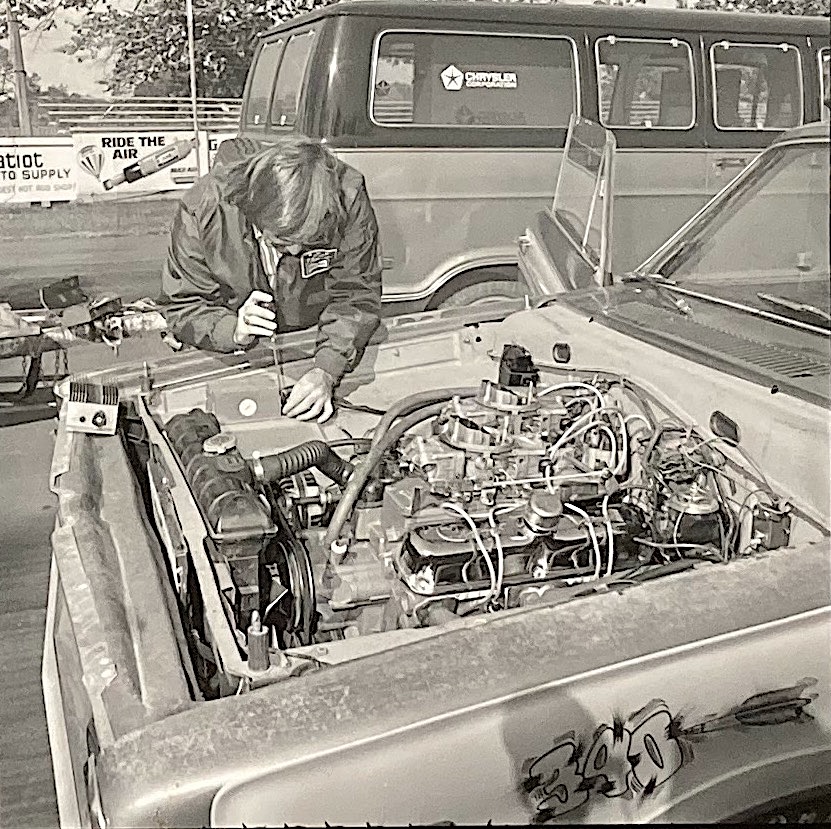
262 82
756 86
442 79
290 79
645 84
824 58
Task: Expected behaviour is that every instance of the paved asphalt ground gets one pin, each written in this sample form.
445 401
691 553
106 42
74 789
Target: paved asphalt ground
126 266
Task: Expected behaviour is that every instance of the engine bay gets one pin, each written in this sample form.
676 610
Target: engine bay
535 486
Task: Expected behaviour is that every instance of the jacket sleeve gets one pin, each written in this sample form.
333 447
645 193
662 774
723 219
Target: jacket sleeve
192 299
354 288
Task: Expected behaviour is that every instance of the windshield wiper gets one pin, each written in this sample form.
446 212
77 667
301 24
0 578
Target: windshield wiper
662 286
799 307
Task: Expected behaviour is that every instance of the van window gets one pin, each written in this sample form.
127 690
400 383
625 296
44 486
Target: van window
444 79
756 86
824 57
290 79
645 84
262 82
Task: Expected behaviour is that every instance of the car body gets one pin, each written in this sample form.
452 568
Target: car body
454 166
579 571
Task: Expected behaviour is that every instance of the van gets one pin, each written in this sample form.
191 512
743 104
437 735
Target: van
456 113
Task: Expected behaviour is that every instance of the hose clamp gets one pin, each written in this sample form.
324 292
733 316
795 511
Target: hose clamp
257 466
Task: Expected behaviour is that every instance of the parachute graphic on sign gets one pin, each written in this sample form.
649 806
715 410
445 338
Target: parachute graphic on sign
91 159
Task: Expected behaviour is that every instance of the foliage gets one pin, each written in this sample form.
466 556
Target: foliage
145 43
803 7
8 104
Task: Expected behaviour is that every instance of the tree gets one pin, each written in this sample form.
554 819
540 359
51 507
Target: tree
39 13
8 105
802 7
146 45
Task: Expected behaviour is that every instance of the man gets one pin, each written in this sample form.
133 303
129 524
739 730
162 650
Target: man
277 239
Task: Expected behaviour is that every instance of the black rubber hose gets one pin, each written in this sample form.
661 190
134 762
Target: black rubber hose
365 468
423 404
416 401
271 468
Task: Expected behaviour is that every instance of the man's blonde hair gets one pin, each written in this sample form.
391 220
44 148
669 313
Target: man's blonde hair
291 190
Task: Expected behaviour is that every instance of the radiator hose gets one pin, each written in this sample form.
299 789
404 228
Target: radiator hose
312 453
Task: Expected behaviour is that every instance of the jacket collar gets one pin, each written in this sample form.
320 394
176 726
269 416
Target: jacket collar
291 250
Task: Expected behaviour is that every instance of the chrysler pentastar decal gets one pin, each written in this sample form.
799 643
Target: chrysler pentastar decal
452 78
633 756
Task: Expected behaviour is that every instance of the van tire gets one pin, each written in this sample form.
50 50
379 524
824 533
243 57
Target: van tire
489 286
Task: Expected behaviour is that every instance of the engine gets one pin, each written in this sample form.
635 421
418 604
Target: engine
470 501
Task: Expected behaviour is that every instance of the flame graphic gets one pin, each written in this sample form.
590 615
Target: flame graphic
91 159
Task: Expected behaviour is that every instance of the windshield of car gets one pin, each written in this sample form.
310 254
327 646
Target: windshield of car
772 226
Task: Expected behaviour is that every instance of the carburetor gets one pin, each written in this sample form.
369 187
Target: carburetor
498 436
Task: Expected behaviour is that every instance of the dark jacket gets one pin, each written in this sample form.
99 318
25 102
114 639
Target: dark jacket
213 264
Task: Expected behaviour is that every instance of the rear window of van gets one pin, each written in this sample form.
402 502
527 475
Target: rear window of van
756 86
262 82
289 83
646 84
458 79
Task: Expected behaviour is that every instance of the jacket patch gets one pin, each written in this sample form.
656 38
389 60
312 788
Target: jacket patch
313 262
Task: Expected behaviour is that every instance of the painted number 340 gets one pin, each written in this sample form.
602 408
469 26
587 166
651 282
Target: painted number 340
632 756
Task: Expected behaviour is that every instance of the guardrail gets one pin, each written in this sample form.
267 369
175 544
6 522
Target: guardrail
167 113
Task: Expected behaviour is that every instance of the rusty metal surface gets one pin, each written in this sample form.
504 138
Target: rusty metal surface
177 764
114 587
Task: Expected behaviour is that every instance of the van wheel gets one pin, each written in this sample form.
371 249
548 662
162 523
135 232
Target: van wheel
483 292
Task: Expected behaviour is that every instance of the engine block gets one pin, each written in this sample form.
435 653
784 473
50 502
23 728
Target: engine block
474 502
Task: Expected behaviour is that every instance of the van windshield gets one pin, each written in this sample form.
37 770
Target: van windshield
772 226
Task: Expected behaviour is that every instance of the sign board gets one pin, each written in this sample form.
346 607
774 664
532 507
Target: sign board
37 170
105 156
214 140
51 169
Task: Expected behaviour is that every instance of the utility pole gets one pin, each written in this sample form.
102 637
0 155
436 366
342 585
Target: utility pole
192 73
21 93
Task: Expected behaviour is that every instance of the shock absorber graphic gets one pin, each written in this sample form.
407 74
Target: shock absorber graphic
153 162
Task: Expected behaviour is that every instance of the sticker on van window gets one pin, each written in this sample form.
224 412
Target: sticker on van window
453 79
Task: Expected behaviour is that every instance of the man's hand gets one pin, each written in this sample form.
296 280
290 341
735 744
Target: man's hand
254 319
311 397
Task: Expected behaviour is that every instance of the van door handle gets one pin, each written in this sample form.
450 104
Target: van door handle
524 242
730 163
